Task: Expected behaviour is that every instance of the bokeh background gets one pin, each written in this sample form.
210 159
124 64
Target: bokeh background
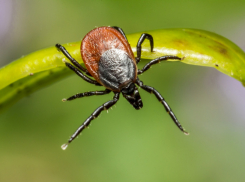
124 145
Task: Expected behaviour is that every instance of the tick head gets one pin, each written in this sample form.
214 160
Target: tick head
131 93
128 89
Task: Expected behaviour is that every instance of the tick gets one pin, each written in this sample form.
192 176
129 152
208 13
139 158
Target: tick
110 62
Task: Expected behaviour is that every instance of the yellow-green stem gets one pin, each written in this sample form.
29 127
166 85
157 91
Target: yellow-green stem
199 47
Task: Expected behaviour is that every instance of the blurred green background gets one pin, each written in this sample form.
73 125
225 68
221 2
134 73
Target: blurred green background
124 145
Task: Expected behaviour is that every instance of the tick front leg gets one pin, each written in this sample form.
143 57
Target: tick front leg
74 62
94 115
164 103
157 60
86 94
79 73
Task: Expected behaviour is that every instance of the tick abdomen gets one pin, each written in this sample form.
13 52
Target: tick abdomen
116 69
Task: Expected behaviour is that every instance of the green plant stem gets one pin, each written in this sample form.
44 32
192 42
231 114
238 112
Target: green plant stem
198 47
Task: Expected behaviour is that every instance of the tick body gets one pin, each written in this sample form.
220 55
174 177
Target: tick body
109 58
110 62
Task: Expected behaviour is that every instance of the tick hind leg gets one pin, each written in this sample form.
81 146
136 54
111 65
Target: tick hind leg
157 60
74 62
164 103
86 94
94 115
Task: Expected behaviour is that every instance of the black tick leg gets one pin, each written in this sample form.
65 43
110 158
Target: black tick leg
94 115
79 73
86 94
140 41
157 60
164 103
74 62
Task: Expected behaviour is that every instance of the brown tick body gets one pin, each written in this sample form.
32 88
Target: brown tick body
109 59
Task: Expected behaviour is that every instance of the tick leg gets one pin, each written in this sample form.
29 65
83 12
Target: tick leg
74 62
94 115
157 60
140 41
164 103
79 73
86 94
120 30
